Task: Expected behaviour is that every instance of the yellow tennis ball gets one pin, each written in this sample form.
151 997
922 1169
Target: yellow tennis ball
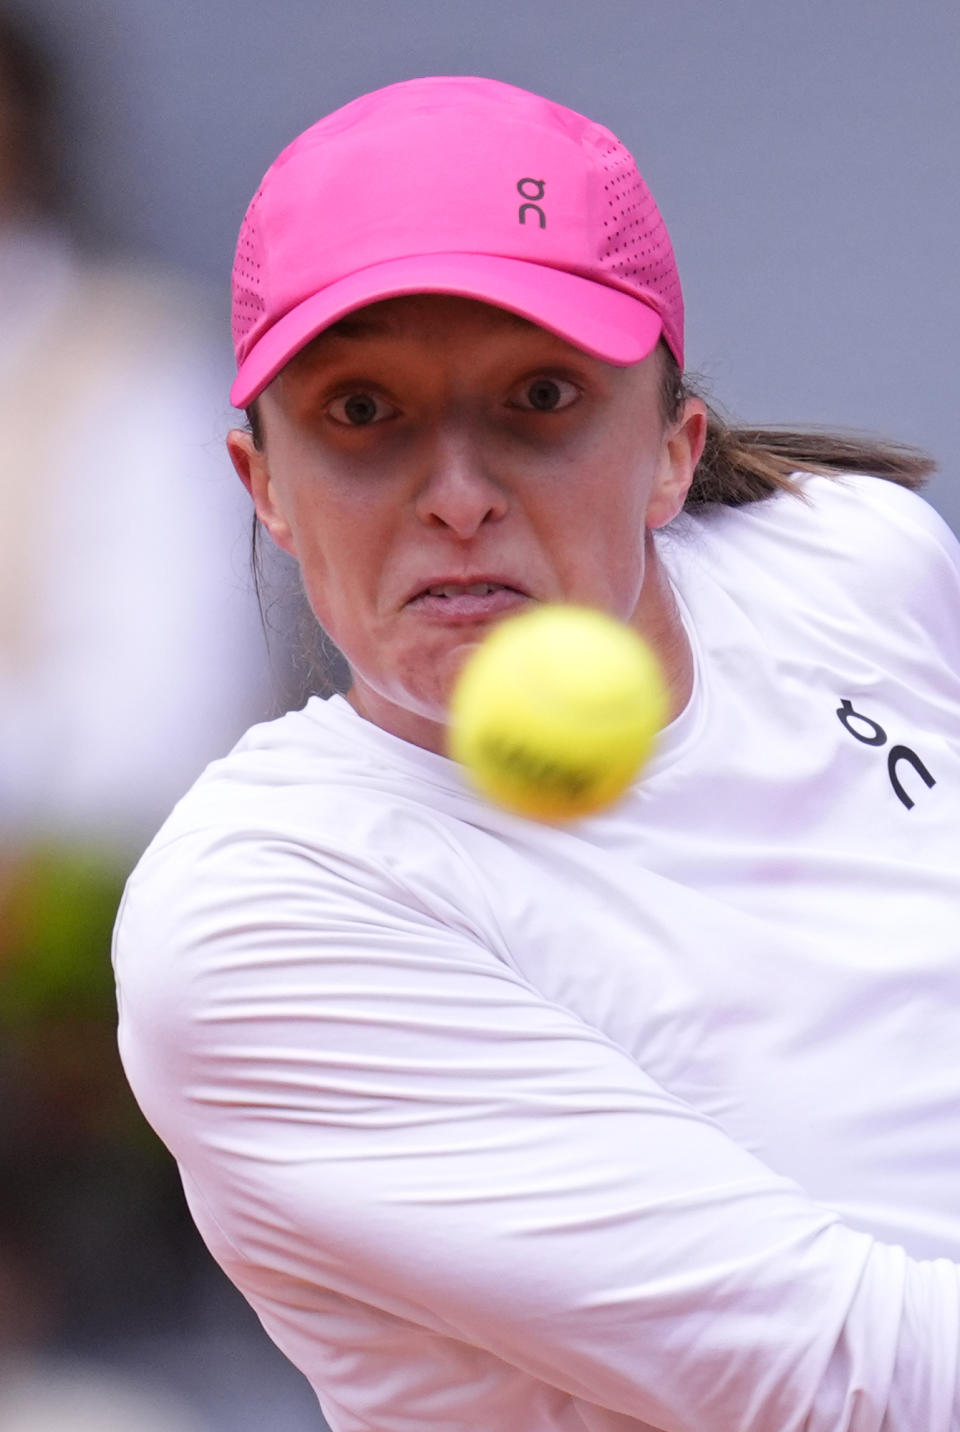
556 711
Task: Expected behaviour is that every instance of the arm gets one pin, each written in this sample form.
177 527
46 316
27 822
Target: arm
366 1096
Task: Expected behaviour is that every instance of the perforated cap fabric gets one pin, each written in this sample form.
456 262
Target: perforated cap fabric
454 185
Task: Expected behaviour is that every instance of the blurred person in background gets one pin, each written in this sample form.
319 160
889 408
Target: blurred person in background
127 660
74 1399
130 655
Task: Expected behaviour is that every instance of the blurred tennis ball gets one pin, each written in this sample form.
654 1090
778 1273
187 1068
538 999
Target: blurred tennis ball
556 711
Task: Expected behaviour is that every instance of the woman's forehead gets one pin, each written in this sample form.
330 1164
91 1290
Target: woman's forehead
435 328
429 319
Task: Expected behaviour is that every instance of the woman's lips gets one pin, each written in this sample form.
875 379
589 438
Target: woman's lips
461 602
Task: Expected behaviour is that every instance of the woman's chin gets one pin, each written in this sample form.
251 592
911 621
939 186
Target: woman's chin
416 712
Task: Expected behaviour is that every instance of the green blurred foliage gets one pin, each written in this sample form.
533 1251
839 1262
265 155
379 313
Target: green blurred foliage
57 908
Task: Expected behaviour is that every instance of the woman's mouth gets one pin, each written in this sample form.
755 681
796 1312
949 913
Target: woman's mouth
467 601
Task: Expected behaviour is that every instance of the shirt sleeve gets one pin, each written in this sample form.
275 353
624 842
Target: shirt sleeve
369 1102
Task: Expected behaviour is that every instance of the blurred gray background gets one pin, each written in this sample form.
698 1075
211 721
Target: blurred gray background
805 157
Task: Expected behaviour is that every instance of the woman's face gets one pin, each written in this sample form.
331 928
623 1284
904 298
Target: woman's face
434 463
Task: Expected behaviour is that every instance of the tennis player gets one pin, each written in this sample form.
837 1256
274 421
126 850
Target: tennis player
648 1121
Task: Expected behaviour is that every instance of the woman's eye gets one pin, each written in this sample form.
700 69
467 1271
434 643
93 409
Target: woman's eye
358 410
546 395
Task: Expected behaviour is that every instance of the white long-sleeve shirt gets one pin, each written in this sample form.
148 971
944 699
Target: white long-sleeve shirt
645 1122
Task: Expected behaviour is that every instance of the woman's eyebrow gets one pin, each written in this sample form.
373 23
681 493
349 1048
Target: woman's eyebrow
368 325
355 326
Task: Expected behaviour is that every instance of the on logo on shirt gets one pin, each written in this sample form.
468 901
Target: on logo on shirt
871 733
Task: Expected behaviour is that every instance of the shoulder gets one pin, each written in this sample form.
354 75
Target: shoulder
308 780
314 819
854 501
886 548
843 505
848 538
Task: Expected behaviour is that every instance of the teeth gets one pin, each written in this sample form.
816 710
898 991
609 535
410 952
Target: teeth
455 589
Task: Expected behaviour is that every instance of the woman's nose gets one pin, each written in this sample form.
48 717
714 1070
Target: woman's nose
458 490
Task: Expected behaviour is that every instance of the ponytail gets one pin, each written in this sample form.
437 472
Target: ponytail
747 464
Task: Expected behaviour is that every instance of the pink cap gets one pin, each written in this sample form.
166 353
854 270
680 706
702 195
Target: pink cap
462 186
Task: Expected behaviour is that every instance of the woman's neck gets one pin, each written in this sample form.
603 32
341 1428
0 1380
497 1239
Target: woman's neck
658 620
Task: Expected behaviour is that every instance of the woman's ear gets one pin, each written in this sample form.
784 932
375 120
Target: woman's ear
253 469
682 449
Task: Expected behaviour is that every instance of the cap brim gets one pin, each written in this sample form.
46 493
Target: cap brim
603 321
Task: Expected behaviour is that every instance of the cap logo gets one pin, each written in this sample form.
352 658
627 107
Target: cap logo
539 185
